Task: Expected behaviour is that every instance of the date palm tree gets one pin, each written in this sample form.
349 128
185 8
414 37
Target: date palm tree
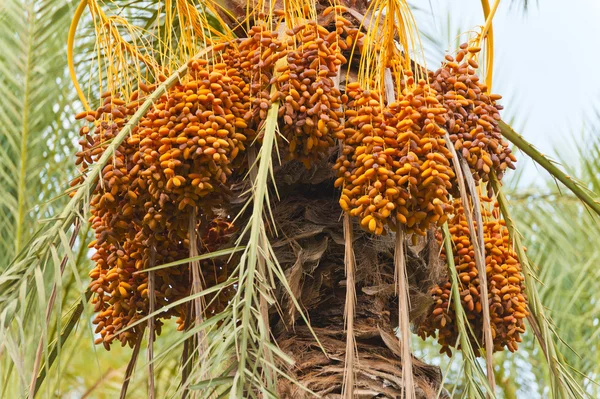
315 304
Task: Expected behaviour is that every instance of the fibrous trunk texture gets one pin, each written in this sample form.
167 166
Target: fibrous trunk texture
309 244
378 373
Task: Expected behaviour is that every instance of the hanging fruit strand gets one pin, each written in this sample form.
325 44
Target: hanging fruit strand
472 119
508 302
199 304
469 204
478 225
350 310
351 356
403 293
180 152
487 33
401 280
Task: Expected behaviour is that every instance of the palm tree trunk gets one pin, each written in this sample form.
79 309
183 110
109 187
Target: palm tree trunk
310 248
378 373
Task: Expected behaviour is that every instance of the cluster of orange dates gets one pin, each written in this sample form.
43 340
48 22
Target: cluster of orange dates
506 292
394 170
472 116
169 171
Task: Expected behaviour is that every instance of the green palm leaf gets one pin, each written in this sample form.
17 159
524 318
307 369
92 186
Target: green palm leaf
36 104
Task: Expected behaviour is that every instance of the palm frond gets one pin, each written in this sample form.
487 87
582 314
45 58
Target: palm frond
562 379
35 138
565 256
41 251
474 377
36 104
573 185
472 209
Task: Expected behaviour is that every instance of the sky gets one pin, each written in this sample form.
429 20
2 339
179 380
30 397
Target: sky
547 65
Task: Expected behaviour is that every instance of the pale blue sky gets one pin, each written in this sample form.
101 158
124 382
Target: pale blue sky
547 63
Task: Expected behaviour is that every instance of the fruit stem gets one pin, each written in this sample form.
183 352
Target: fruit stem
489 16
70 44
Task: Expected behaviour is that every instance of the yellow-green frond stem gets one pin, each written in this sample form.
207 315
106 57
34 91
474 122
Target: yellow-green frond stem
127 54
393 41
70 45
298 12
270 13
121 57
487 34
187 27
